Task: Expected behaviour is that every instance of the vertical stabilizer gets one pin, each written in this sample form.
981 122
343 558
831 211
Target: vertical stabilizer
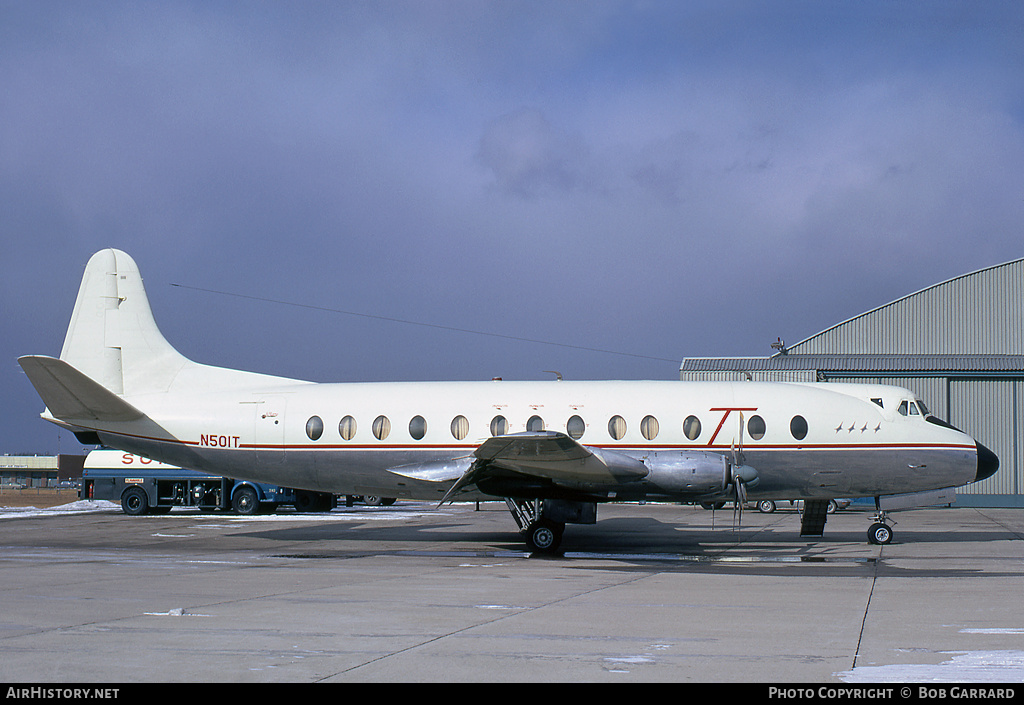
112 337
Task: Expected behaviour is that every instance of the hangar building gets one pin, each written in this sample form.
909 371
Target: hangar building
959 345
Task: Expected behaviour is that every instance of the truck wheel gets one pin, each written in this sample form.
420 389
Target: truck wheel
245 501
134 501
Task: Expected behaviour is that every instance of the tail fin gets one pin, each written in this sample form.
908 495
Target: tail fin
113 338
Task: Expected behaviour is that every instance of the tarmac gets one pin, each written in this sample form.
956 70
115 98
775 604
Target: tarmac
414 593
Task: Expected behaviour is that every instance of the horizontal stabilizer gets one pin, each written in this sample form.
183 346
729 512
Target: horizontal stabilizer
71 396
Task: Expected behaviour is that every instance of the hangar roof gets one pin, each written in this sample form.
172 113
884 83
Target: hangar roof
980 313
968 365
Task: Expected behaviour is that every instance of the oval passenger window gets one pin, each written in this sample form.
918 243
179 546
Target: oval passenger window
381 427
798 427
460 427
691 427
575 427
347 428
649 427
617 427
417 427
314 428
499 426
756 428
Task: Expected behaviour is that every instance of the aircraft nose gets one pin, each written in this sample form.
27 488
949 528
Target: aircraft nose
988 463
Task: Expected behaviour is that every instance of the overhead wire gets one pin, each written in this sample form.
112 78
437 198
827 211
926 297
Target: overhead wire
436 326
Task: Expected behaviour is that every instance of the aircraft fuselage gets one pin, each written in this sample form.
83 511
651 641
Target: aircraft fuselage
330 437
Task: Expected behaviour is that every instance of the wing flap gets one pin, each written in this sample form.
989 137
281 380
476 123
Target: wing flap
71 396
444 471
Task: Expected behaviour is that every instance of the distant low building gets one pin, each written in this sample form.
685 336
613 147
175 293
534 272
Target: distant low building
39 470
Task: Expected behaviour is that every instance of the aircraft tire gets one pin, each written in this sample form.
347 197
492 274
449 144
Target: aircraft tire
134 502
880 534
544 536
309 501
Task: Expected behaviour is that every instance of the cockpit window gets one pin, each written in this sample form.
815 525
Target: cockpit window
908 407
878 400
924 409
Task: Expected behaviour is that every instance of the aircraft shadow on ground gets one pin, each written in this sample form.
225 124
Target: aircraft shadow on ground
637 544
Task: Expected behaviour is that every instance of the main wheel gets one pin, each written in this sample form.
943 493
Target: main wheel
879 534
308 501
544 536
134 501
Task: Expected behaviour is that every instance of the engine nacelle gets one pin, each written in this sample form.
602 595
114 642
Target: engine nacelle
687 472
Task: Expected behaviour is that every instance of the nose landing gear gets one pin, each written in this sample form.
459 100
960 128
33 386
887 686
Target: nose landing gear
880 532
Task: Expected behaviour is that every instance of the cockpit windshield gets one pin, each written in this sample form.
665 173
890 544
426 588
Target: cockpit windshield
908 408
914 407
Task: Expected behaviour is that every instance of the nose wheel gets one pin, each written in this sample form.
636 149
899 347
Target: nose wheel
880 532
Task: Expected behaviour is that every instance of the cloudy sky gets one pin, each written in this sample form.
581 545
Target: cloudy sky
628 183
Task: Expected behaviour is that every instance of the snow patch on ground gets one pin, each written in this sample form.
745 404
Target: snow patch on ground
965 667
360 513
80 507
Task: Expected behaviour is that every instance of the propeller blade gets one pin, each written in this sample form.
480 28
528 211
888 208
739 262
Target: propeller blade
740 494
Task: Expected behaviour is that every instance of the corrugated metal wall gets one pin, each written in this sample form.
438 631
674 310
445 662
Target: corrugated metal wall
755 376
989 410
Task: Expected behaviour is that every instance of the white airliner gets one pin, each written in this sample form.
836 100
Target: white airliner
552 449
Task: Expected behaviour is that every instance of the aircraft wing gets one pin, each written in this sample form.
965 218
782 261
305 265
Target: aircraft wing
556 456
551 456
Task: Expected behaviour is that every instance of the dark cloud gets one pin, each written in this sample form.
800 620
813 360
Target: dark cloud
527 156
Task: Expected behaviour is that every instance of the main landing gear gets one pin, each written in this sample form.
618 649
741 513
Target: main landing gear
541 522
542 535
